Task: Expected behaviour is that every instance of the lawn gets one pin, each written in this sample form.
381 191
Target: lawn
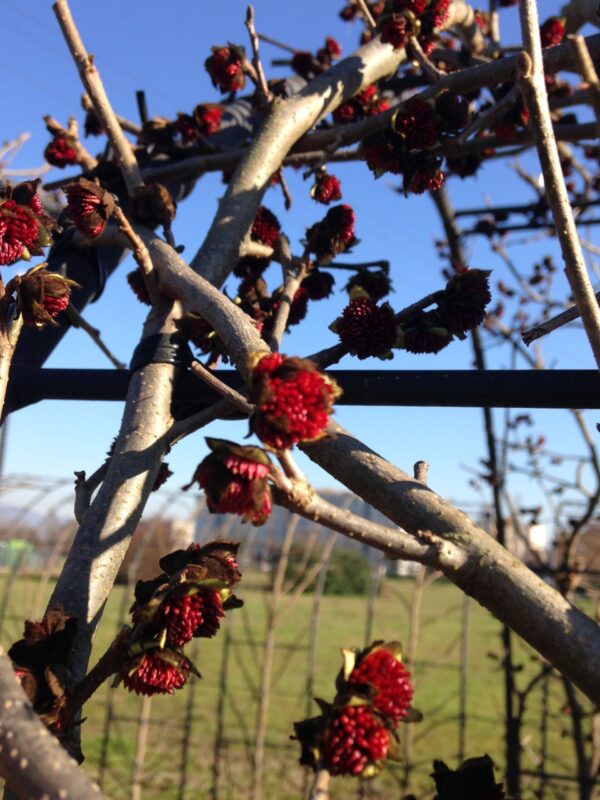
200 742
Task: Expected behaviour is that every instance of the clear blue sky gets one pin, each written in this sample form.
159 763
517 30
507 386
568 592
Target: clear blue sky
162 50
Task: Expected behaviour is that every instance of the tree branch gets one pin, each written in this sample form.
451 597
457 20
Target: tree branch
531 79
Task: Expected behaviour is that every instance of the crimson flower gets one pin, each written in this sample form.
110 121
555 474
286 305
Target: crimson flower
234 479
293 400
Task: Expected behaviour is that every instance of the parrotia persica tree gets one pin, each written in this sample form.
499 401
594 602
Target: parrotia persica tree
429 92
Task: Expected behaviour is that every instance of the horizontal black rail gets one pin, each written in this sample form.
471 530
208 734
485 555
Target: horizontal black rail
443 388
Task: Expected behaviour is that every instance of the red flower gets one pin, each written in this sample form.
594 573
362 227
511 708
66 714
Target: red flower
465 297
376 283
19 231
207 117
333 235
348 13
385 672
425 334
318 284
89 206
42 295
428 177
346 112
416 124
186 616
326 188
552 32
234 479
61 151
354 741
186 127
331 51
384 151
265 228
366 329
306 65
453 112
156 672
293 401
395 31
416 6
226 68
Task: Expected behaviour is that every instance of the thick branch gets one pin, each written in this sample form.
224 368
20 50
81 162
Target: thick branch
486 571
31 759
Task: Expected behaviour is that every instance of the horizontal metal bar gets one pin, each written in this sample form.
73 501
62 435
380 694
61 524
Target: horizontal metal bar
442 388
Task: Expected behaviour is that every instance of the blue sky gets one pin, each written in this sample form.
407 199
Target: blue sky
140 45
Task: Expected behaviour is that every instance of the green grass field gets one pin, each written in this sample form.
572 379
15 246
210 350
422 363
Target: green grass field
182 730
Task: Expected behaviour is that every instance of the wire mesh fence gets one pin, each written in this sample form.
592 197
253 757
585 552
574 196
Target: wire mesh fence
228 735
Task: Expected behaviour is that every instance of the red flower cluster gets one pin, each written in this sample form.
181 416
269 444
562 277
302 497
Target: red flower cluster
416 124
333 235
425 333
466 295
366 329
226 68
326 188
355 740
41 295
376 283
235 480
61 151
384 671
207 117
265 228
318 284
186 601
405 18
19 230
552 31
367 103
426 177
188 616
156 672
357 733
293 401
309 66
89 206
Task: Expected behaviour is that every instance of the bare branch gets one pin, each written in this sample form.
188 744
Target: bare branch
90 78
531 71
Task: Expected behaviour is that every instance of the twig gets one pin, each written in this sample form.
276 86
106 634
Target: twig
262 88
587 70
552 324
126 124
108 664
487 118
531 79
77 321
184 427
141 255
366 12
90 78
85 488
269 39
235 398
292 279
285 189
429 69
420 470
